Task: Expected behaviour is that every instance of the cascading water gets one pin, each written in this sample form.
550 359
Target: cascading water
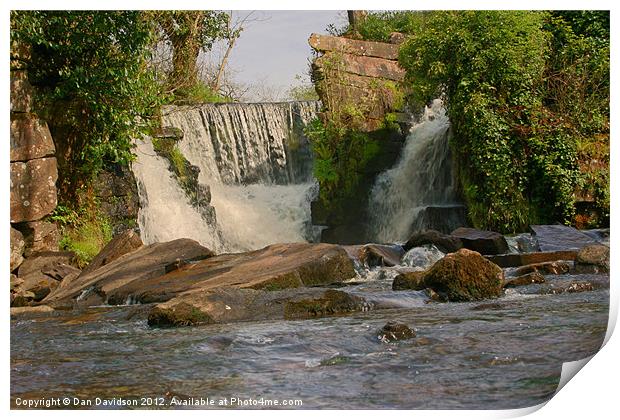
419 191
258 166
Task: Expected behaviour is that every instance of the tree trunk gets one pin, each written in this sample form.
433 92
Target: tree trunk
355 18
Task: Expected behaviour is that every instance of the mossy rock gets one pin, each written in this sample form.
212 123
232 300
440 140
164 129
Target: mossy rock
183 314
465 276
413 280
333 302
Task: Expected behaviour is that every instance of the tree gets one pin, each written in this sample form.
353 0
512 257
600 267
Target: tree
188 32
89 68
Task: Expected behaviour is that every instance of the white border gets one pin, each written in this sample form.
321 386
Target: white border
593 393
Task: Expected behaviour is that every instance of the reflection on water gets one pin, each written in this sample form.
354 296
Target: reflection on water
505 353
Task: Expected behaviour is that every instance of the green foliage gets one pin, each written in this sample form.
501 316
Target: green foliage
96 91
340 156
187 32
379 25
85 233
198 93
523 91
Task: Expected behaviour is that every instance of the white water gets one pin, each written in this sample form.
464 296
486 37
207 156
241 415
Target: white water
165 212
421 178
258 166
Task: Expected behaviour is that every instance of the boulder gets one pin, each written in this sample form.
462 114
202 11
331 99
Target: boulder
127 241
30 138
482 241
524 280
21 91
34 273
412 280
464 275
17 248
373 255
560 237
592 259
223 305
40 260
445 243
550 267
393 331
276 267
33 189
40 236
517 260
141 265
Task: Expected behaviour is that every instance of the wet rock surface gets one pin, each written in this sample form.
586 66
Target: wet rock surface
550 267
373 255
445 243
394 331
463 276
159 272
533 277
232 305
482 241
560 237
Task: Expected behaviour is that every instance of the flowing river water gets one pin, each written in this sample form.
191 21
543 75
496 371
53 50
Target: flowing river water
496 354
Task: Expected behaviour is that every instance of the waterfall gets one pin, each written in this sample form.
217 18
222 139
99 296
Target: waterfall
419 191
258 165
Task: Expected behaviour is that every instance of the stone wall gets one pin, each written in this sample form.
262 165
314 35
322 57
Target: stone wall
33 173
358 75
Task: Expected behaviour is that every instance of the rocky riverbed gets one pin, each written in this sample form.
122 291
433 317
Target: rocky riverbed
427 324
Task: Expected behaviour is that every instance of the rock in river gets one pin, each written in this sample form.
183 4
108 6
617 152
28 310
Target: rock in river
463 276
445 243
393 331
222 305
482 241
592 259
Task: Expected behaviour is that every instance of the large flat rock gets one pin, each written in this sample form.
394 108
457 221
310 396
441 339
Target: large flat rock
30 138
141 265
559 237
276 267
527 258
222 305
123 243
33 189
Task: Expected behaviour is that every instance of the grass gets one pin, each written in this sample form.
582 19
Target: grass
87 239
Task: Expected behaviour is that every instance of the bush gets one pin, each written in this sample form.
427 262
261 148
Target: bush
517 134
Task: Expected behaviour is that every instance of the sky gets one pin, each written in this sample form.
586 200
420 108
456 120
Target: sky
273 47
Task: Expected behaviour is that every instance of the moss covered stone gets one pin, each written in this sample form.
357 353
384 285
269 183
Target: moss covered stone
464 276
